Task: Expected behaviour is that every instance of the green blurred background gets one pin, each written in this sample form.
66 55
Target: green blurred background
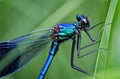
18 17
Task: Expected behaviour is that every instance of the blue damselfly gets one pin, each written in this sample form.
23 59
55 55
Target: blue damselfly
17 52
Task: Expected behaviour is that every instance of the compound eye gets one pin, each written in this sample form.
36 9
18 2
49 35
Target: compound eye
79 17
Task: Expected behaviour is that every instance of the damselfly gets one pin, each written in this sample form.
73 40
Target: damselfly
15 53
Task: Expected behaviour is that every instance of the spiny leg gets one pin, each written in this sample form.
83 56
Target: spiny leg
72 60
80 56
93 40
78 45
96 25
78 52
96 37
78 42
89 53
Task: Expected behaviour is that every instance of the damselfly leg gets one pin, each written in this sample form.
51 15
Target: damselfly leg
72 59
80 56
94 40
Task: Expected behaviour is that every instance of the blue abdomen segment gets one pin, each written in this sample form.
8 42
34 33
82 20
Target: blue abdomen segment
46 66
53 50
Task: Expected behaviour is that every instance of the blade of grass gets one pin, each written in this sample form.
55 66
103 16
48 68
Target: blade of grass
105 41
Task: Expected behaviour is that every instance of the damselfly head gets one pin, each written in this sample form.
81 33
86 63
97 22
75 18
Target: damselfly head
83 22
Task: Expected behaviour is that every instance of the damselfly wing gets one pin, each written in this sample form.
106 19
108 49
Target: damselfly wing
16 53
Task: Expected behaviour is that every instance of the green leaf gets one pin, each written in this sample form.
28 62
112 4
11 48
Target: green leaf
102 64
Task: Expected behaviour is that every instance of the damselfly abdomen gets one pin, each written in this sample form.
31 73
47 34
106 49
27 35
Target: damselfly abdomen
15 53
